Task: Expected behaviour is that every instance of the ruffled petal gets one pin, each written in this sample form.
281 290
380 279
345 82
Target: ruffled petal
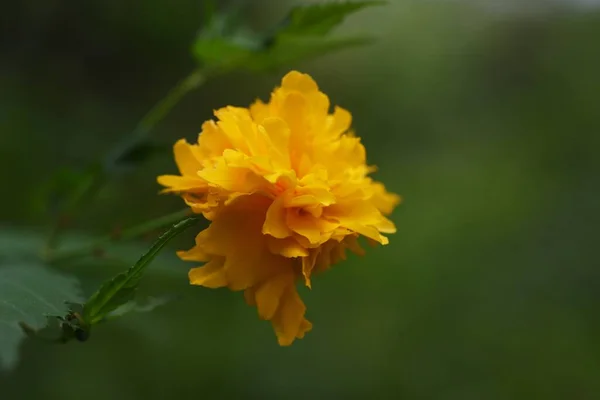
234 238
384 200
289 322
300 82
211 275
275 222
278 301
287 247
269 294
286 187
179 184
187 157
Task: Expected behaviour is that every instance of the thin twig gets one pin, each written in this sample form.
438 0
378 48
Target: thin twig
95 178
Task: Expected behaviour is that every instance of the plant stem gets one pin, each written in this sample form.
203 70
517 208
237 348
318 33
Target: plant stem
119 290
155 115
127 234
95 177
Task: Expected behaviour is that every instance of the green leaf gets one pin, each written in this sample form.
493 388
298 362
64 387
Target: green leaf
290 49
121 289
302 35
28 292
224 42
220 51
19 243
320 19
23 314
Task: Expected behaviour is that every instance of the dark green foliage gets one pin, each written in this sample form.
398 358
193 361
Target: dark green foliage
37 300
303 34
121 289
29 291
320 19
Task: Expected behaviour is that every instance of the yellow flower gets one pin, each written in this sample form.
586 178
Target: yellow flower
285 185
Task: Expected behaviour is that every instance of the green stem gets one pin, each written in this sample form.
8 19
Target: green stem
156 114
120 289
127 234
94 179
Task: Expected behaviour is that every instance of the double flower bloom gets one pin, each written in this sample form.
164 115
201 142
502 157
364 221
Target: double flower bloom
286 187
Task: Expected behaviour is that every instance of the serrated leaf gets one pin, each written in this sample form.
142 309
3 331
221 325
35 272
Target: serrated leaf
28 292
121 289
302 35
320 19
290 49
224 42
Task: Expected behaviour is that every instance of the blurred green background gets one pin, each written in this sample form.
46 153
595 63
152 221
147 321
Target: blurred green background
483 115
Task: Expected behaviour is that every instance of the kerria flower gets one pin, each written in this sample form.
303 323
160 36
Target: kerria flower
286 187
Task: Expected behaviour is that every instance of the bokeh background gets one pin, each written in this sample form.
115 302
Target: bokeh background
484 115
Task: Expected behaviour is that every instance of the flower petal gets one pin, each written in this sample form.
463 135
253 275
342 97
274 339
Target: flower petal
269 293
187 157
275 222
384 200
176 183
289 322
234 238
211 275
308 263
303 83
287 247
